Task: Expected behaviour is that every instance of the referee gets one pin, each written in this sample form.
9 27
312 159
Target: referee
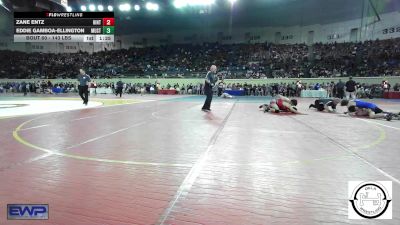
83 87
120 87
210 81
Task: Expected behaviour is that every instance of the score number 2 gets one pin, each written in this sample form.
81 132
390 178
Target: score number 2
108 21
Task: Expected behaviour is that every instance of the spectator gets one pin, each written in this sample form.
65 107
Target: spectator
252 61
340 89
351 89
396 87
385 85
221 86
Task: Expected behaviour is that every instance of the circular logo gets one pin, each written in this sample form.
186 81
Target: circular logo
370 200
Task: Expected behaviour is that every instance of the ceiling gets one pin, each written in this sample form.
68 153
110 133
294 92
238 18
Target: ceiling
244 13
250 13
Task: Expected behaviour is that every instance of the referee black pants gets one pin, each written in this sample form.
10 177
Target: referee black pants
340 92
119 91
84 93
209 93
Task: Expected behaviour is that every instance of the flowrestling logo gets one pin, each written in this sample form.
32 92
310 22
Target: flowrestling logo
370 200
27 211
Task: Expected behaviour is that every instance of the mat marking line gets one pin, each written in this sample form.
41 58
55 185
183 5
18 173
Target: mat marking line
194 172
259 164
85 158
45 155
380 124
35 127
107 135
353 153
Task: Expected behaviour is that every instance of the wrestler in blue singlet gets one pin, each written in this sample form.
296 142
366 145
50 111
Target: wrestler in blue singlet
365 105
368 105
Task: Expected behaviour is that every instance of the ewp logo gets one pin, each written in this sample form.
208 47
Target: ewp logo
27 211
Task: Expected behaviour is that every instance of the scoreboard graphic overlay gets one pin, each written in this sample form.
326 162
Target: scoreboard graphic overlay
64 26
